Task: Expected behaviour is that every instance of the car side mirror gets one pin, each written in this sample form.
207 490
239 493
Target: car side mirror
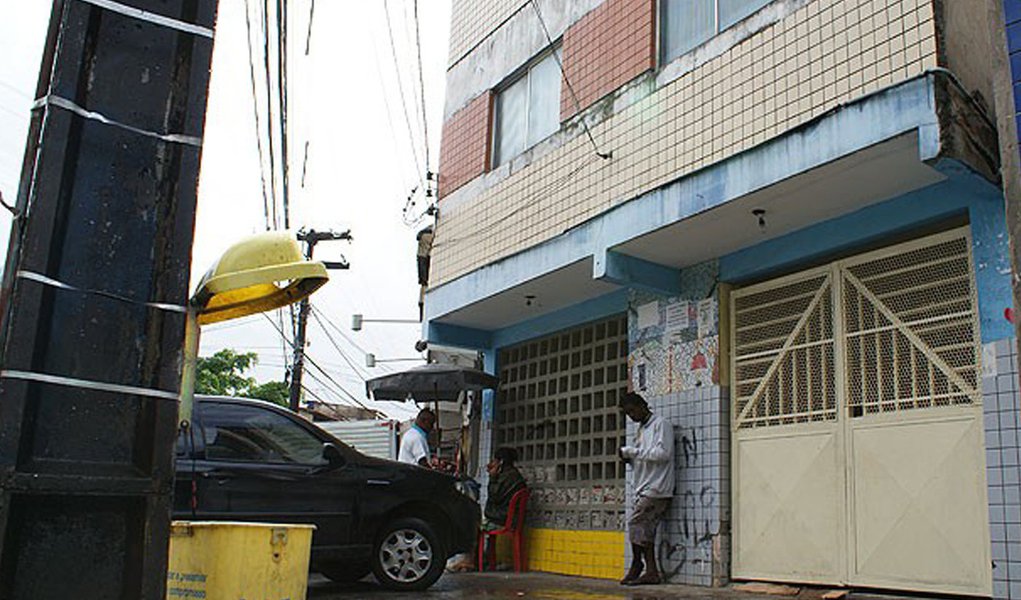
332 455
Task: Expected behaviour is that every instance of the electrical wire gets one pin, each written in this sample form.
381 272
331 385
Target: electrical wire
335 382
283 343
392 128
320 314
269 108
386 105
500 221
570 88
258 126
340 392
15 89
339 330
316 365
14 113
336 346
282 106
313 394
228 325
311 16
304 166
421 93
400 87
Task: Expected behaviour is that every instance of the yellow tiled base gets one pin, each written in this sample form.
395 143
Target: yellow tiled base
598 554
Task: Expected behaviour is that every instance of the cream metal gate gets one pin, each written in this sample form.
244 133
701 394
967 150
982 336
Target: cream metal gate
858 449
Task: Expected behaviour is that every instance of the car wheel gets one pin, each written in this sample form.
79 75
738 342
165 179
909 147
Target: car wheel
408 556
342 572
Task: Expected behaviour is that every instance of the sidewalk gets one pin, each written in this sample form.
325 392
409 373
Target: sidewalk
541 586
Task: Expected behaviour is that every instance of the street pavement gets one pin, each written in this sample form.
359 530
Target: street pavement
535 586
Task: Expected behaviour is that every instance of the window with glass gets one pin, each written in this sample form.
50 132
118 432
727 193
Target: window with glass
234 432
528 110
686 24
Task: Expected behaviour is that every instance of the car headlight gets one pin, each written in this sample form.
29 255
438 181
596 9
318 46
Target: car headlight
468 487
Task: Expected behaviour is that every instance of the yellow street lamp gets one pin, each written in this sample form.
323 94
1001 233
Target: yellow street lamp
260 273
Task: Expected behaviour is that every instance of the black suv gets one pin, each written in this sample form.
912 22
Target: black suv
247 460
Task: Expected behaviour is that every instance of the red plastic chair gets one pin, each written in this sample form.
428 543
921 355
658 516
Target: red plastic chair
515 526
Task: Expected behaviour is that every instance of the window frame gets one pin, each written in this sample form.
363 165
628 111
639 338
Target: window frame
661 31
525 71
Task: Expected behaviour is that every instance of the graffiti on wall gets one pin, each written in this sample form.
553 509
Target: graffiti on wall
691 548
688 542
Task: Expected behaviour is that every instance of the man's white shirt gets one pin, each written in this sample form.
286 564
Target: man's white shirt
652 459
414 446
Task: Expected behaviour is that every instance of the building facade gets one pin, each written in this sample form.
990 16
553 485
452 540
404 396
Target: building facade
782 223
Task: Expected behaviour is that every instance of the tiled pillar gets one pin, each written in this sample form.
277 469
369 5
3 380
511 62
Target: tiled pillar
1003 457
693 544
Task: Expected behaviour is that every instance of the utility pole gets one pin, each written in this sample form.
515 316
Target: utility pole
311 237
93 299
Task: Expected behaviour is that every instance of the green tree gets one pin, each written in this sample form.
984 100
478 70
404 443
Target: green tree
223 374
276 392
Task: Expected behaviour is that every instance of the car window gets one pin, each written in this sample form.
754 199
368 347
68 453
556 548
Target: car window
236 432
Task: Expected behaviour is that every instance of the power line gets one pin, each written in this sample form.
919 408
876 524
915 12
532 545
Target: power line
386 103
267 71
258 126
304 165
314 395
228 325
319 368
18 114
421 93
339 330
282 106
400 87
336 383
15 90
327 386
343 354
553 188
570 88
346 337
308 36
283 342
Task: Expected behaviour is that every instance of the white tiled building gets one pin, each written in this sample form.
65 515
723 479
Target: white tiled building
781 221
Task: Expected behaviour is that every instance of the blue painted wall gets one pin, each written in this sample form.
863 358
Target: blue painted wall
963 194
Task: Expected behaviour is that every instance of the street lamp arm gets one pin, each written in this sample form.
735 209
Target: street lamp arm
358 319
371 360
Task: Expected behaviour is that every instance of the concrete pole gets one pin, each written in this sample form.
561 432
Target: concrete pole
99 257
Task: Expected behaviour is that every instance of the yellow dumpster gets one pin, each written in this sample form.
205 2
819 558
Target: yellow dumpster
217 560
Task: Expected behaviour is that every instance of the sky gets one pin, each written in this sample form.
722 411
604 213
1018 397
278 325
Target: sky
365 154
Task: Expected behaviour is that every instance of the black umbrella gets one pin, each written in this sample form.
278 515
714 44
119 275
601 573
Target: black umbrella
432 382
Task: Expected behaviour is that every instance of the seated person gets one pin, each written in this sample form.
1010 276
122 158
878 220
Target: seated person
504 481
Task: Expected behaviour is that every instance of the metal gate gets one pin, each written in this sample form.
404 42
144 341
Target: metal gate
858 448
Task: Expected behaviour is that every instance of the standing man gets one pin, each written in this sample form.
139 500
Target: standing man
415 441
652 468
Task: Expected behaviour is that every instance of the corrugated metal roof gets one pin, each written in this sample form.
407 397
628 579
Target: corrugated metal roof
373 438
